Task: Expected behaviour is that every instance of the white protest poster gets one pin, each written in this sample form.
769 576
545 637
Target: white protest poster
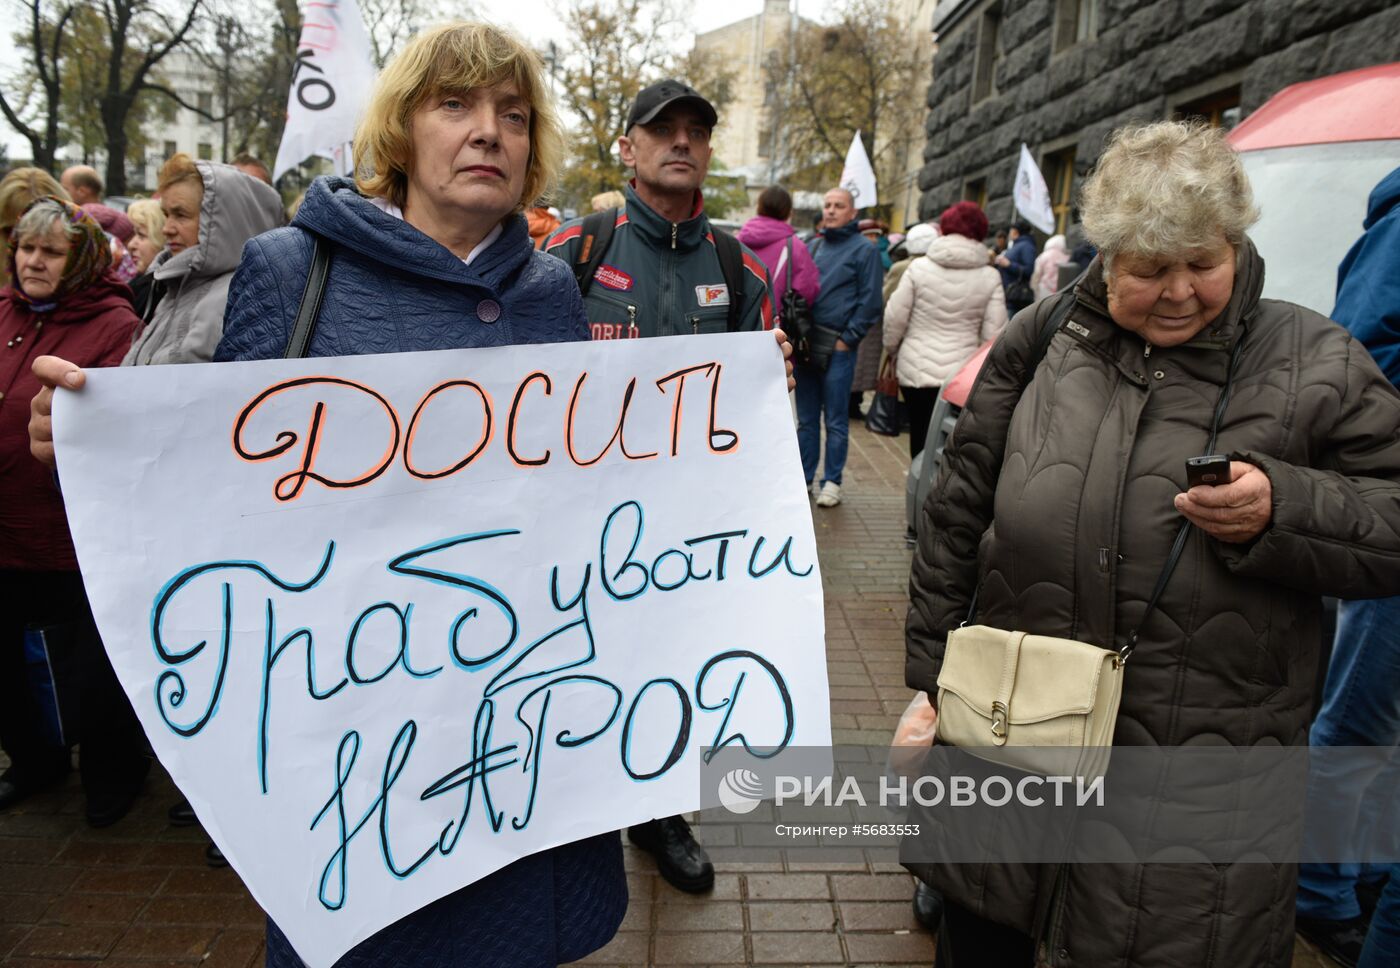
858 177
1031 195
331 81
392 622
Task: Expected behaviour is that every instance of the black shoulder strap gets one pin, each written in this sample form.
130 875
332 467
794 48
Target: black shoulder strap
593 245
1179 544
1063 307
1056 319
305 326
731 266
788 285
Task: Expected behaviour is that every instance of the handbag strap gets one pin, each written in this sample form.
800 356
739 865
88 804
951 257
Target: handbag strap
788 252
310 308
1179 544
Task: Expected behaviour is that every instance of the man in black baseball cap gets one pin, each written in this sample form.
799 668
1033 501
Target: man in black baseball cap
659 268
652 100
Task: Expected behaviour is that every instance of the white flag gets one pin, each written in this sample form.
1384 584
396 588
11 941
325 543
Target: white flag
858 177
1032 197
330 86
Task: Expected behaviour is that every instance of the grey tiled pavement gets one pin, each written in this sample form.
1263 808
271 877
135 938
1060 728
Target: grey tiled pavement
139 893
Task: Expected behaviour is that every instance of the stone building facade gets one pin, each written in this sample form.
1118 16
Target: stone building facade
1060 75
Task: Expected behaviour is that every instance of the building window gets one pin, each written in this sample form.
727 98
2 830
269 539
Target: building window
205 151
1075 22
765 142
206 102
1219 110
170 149
975 190
1058 167
988 54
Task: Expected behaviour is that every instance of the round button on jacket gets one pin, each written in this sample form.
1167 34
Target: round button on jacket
488 310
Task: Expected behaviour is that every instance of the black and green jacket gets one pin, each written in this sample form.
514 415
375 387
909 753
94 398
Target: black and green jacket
663 278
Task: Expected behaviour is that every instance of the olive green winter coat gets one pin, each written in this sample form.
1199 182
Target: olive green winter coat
1084 467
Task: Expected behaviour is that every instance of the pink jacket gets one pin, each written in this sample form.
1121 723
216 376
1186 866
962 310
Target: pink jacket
767 237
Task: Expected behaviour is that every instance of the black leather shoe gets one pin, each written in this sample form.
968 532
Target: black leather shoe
679 859
107 808
1339 940
182 815
214 857
109 799
928 906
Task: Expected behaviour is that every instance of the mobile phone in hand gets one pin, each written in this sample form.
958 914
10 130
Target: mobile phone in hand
1208 471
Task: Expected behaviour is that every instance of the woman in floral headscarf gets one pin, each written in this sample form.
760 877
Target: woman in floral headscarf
62 299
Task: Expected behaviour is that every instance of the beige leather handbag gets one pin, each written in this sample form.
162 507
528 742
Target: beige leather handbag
1041 704
1032 702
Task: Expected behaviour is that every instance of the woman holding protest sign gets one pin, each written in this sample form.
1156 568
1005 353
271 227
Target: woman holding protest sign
426 249
63 298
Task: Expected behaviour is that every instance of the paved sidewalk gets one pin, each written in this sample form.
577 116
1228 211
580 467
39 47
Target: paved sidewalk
140 894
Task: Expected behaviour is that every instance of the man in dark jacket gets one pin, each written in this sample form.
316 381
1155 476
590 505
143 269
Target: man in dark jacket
849 304
661 276
1017 265
1361 701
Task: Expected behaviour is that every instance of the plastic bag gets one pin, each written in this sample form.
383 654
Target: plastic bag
918 724
914 734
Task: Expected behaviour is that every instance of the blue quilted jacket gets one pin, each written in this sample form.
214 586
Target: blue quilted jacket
393 289
425 297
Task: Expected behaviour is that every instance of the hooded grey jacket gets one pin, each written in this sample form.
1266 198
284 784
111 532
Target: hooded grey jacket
1056 505
189 320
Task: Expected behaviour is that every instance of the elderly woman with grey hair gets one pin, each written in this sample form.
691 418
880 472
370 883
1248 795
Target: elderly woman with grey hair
1062 495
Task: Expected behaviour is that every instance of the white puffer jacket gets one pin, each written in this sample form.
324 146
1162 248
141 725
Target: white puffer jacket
947 305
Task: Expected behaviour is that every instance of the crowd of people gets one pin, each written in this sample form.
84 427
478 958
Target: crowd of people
1159 325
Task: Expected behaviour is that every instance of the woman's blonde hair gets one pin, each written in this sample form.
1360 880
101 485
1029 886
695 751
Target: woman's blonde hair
1165 189
20 188
454 57
148 216
177 168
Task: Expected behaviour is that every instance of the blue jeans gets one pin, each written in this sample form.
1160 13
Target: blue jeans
1360 707
1382 948
829 391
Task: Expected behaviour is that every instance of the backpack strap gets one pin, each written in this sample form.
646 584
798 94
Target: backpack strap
1063 308
731 266
593 245
1064 305
304 329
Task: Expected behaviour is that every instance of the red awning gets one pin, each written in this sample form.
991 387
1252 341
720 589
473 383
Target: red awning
1359 105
